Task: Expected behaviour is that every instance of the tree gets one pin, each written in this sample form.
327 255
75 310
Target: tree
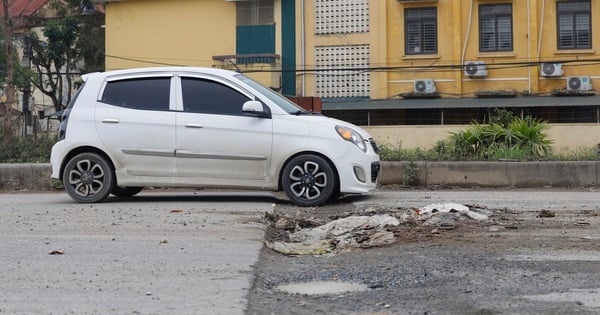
90 39
13 76
90 43
74 43
56 59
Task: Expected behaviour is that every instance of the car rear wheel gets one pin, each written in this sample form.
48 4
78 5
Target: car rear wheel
126 191
88 178
309 180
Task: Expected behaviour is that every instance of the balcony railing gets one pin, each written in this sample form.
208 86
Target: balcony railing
265 68
227 61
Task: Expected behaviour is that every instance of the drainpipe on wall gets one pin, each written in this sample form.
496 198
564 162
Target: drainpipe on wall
462 58
541 27
529 45
302 49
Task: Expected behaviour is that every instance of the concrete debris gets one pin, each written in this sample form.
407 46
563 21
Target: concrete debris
546 214
316 248
452 208
349 232
341 227
295 235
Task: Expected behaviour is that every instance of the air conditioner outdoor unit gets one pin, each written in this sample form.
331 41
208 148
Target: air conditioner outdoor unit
551 69
579 83
475 69
425 86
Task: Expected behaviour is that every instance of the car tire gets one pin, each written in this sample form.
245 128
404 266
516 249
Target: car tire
309 180
126 191
88 178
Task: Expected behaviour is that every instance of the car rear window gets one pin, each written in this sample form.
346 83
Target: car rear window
141 93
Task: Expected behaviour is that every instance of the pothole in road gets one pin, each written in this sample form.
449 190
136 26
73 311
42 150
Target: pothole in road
322 287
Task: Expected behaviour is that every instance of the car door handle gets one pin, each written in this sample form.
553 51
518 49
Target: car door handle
197 126
110 121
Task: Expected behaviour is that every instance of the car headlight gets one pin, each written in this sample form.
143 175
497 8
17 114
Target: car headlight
352 136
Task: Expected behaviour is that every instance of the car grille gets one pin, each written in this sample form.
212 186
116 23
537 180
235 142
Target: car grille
375 168
374 145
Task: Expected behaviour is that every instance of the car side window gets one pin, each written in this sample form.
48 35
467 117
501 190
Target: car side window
210 97
143 93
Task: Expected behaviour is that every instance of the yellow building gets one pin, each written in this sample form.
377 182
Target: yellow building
238 35
383 62
447 62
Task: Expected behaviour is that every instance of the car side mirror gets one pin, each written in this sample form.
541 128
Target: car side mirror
255 108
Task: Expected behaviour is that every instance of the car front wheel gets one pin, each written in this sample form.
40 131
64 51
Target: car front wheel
309 180
88 178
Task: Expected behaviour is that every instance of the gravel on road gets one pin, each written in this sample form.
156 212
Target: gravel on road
538 253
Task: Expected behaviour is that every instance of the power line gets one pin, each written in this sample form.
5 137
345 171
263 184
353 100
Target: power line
364 69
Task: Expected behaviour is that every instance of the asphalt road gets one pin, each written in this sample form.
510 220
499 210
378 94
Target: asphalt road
160 253
202 253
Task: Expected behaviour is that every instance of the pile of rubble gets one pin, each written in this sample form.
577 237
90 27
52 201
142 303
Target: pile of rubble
369 228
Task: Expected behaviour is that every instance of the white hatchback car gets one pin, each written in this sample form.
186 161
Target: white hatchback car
202 127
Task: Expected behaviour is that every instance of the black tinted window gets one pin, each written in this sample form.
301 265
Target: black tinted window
420 31
146 94
205 96
495 27
574 24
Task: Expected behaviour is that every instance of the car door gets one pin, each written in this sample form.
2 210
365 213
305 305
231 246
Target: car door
217 143
137 127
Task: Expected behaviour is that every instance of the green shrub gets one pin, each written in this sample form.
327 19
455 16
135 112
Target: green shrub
521 138
411 174
506 137
14 149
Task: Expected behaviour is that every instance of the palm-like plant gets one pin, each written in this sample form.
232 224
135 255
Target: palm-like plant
529 133
522 136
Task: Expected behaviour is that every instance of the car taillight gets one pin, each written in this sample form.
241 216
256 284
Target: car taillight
62 129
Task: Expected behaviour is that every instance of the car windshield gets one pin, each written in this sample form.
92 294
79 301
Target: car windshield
275 97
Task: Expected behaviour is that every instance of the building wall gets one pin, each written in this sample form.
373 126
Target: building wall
184 32
143 33
565 137
134 41
179 35
374 38
534 40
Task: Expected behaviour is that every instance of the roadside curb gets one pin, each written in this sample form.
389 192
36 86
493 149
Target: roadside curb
36 176
493 174
25 176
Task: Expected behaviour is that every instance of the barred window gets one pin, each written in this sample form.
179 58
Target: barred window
574 24
495 27
255 12
420 31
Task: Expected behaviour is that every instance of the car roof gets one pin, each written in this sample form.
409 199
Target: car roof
157 70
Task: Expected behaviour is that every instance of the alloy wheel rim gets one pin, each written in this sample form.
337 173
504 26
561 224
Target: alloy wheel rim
87 178
308 180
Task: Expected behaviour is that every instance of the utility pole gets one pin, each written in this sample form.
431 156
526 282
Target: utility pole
8 50
26 62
